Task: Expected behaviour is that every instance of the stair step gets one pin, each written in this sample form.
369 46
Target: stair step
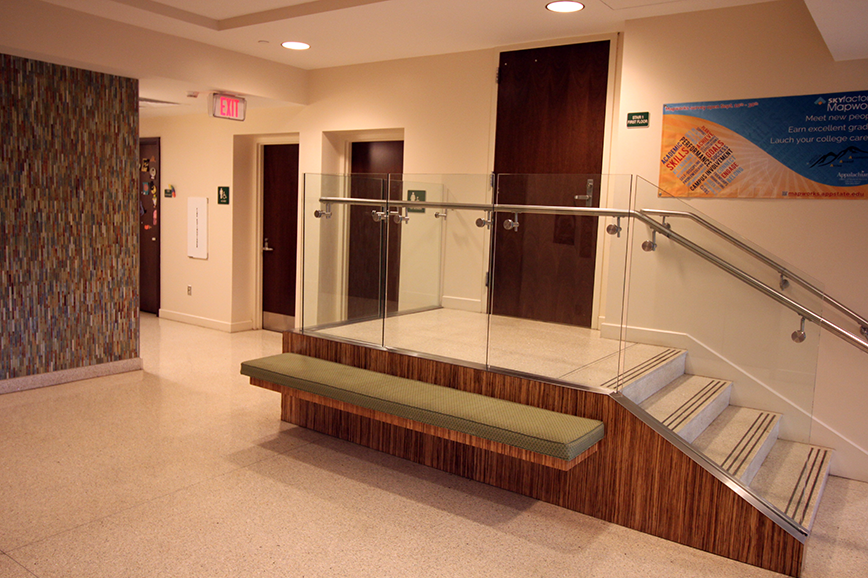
689 404
646 374
792 478
739 440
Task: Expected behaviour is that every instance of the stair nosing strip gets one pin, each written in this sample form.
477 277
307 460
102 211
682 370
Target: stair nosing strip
738 446
696 401
803 474
802 482
757 438
681 410
805 500
656 361
813 487
634 372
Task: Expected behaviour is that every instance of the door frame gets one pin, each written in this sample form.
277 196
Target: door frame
261 141
601 267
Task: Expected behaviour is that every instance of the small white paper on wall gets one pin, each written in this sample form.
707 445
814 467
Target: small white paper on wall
197 227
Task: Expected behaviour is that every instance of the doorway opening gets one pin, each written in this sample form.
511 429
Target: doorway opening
279 235
149 225
375 173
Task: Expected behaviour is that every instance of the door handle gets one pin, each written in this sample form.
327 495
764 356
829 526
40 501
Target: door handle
265 246
588 197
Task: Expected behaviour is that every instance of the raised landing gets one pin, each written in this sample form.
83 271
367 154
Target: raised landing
637 478
562 352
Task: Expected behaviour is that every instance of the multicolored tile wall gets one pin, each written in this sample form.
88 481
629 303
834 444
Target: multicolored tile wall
68 224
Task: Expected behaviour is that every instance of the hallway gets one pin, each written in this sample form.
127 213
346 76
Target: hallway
184 469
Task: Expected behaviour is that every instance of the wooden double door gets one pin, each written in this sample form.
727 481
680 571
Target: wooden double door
551 109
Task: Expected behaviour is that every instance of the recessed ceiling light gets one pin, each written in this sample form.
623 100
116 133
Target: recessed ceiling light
564 6
296 45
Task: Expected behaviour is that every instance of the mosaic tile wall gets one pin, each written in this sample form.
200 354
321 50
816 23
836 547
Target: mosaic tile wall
68 226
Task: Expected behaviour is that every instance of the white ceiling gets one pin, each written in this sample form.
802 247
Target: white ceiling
345 32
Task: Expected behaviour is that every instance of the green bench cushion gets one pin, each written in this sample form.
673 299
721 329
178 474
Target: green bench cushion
538 430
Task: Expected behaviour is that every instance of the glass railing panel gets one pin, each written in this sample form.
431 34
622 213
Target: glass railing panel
345 255
443 262
699 286
732 329
550 274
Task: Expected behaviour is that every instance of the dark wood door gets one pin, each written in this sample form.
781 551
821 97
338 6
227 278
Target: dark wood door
149 225
279 235
551 108
374 247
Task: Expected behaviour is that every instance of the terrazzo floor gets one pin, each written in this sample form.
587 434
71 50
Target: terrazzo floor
183 469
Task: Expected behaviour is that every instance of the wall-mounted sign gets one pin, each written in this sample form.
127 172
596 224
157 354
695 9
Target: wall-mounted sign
638 119
795 147
416 196
222 195
228 106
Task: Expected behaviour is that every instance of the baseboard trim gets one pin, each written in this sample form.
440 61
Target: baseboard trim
462 304
68 375
225 326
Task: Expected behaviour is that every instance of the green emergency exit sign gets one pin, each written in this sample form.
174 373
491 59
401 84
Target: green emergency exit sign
637 119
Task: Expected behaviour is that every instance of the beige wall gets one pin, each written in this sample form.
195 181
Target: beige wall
445 107
764 50
442 105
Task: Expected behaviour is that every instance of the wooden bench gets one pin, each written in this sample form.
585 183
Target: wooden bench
529 433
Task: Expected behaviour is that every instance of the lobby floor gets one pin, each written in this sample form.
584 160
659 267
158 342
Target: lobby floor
184 469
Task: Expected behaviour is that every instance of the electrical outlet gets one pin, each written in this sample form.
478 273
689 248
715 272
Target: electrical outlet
189 289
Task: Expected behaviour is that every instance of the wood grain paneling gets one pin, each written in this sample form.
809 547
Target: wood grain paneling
410 424
636 479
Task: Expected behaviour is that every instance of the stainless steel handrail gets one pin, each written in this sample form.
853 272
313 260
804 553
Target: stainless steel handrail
643 216
780 269
535 209
803 311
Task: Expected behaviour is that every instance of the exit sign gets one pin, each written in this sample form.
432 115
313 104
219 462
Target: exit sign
228 106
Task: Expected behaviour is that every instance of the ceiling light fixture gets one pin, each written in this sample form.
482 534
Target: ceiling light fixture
296 45
564 6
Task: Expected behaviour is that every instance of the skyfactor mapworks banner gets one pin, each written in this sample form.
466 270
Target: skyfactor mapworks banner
794 147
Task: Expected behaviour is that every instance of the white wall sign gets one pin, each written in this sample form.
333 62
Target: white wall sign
197 227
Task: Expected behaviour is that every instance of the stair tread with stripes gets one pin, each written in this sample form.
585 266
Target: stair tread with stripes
646 375
739 440
792 479
689 404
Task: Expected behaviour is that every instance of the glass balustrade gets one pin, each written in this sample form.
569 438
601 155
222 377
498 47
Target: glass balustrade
583 280
701 302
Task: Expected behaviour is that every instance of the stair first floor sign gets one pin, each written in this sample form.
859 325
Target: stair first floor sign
795 147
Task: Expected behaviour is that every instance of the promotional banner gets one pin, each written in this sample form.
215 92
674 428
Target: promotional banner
795 147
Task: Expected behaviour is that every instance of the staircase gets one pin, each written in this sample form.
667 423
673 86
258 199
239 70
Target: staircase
743 441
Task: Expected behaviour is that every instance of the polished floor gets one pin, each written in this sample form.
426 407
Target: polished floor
184 469
563 352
